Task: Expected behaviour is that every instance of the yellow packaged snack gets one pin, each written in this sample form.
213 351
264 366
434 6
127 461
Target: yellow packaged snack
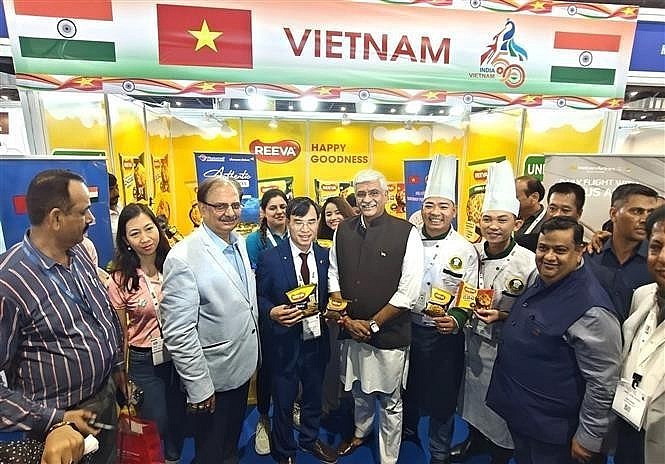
438 303
303 298
336 308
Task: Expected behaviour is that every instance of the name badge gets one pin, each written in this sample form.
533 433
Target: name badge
630 403
482 329
311 327
160 354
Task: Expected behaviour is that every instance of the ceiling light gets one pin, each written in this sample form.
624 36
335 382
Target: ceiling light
345 120
273 123
442 111
342 108
367 107
392 110
236 106
632 93
5 97
290 106
178 103
257 102
413 107
457 110
309 103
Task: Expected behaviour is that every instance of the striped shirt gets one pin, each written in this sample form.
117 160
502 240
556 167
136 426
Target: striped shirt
59 335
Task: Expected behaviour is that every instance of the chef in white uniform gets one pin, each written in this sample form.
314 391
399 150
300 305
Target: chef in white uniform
437 344
506 268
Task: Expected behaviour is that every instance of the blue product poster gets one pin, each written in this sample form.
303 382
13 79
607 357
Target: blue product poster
238 166
15 176
415 180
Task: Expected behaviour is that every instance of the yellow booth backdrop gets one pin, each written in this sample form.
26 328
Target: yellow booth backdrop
152 149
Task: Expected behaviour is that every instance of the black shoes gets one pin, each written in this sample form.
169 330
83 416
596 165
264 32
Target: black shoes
474 444
322 452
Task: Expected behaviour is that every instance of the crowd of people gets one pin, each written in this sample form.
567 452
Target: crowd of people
550 348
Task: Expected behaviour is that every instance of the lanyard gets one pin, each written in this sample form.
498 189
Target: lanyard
648 328
79 299
270 237
153 296
535 221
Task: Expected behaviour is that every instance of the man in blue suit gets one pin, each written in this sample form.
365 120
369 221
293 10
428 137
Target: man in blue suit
300 347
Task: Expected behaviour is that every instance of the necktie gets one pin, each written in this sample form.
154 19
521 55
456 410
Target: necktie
304 269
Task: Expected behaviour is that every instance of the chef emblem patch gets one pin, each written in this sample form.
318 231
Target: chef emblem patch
455 263
515 285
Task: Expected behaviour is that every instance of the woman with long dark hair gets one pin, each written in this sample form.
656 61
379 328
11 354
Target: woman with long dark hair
333 211
135 292
272 230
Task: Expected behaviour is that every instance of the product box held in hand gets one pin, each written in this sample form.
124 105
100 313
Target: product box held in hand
304 299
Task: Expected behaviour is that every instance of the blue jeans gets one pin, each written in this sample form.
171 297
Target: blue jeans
164 402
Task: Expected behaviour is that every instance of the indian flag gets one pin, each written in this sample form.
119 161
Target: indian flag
94 193
586 58
66 29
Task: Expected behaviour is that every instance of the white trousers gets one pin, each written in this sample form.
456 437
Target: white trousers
390 420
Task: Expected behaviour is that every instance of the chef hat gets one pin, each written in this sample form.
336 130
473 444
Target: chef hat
442 177
500 190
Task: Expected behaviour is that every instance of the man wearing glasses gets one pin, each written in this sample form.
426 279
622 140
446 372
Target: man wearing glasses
376 262
209 321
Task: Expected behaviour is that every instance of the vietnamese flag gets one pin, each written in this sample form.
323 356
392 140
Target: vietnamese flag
81 9
200 36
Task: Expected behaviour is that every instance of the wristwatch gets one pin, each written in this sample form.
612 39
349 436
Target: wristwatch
373 326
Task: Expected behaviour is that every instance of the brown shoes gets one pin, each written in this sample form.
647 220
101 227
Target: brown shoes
350 445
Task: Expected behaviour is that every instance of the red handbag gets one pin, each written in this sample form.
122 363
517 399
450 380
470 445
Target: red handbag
138 441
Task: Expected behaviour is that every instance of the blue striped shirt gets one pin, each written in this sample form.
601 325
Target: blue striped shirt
59 336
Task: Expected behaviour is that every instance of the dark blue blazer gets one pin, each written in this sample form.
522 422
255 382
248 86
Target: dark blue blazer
275 275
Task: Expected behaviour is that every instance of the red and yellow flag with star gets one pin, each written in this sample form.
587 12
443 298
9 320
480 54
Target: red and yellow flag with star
199 36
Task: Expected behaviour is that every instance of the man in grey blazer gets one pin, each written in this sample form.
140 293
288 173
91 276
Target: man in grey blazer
209 321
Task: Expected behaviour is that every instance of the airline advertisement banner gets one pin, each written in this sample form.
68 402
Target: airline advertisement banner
599 175
488 53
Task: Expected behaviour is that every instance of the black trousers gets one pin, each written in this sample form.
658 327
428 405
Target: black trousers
216 435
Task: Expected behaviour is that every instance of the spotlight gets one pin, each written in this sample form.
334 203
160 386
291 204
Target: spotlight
309 103
257 102
457 110
413 107
367 107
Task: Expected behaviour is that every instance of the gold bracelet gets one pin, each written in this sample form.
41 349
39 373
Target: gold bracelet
60 424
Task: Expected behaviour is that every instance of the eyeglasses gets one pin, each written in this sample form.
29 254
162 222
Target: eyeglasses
223 207
374 194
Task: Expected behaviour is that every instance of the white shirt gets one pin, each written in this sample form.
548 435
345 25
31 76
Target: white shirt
311 263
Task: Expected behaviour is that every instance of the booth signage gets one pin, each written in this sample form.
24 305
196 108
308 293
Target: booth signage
476 51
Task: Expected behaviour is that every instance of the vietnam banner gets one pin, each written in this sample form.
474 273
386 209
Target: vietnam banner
196 36
354 48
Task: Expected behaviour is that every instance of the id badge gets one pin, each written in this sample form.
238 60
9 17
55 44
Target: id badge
159 352
630 403
311 327
482 329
